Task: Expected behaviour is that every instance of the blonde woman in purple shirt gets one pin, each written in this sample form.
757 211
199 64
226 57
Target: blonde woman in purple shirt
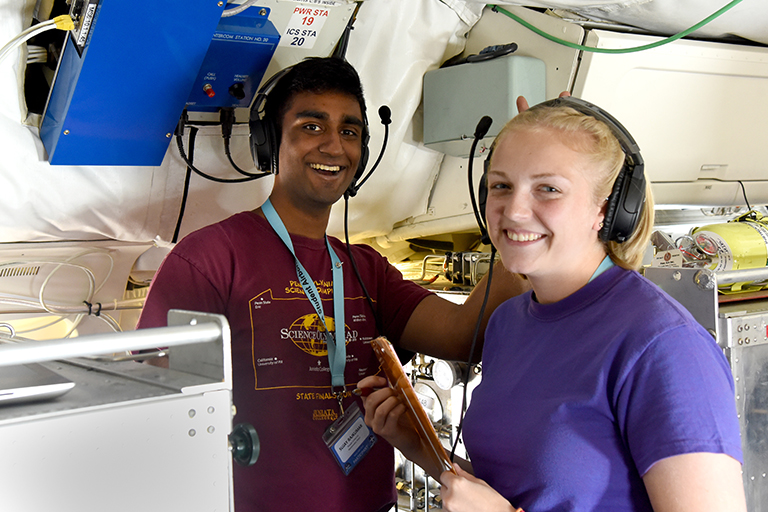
599 392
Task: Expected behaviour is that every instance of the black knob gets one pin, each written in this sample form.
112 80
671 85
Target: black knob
237 90
245 444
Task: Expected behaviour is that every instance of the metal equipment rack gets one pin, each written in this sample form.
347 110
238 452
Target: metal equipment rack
739 323
128 436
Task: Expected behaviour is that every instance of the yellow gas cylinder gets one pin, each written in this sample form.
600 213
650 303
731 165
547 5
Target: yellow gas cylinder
737 244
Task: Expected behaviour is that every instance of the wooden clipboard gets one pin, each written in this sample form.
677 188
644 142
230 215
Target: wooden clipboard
399 381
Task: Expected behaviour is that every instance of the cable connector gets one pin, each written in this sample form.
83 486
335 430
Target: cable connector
227 118
179 131
64 22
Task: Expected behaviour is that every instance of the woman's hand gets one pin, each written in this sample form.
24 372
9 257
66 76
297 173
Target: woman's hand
386 416
467 493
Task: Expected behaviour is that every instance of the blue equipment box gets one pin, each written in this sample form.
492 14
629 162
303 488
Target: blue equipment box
239 54
118 100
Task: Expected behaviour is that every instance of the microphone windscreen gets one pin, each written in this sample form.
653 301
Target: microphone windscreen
483 126
385 114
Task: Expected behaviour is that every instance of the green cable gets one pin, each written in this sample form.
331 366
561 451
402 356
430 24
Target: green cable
615 50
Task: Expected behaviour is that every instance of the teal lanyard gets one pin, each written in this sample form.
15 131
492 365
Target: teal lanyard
337 354
604 265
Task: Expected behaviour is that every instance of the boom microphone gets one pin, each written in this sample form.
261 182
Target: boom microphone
385 114
482 128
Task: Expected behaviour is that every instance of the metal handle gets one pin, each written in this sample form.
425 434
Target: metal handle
51 350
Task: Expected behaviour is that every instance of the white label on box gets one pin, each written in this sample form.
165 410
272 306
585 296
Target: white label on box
304 26
322 3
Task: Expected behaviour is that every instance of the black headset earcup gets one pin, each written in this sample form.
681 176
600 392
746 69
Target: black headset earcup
264 141
611 207
263 145
626 203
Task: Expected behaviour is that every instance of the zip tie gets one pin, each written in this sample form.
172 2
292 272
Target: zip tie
90 308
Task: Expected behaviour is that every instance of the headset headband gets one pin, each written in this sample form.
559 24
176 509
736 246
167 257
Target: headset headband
265 139
625 204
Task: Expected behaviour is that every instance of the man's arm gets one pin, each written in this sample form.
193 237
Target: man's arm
442 329
178 285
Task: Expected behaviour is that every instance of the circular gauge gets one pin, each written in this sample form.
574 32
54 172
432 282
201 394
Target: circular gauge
706 244
446 374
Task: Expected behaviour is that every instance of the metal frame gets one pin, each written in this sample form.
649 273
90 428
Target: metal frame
129 436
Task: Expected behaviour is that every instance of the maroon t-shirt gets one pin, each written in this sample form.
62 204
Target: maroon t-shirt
241 269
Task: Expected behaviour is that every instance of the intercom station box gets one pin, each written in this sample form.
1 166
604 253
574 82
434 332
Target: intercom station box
457 97
122 81
237 58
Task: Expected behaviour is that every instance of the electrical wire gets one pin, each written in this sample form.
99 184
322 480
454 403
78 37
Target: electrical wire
63 22
470 184
187 179
403 354
227 118
80 311
35 307
465 379
235 166
183 154
576 46
36 55
9 327
354 263
744 193
378 159
227 121
238 9
741 184
341 47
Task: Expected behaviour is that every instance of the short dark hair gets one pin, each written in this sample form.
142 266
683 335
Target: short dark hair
317 75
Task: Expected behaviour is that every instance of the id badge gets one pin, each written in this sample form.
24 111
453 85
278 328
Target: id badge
349 438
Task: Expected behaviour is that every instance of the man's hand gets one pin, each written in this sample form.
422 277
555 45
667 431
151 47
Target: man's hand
522 103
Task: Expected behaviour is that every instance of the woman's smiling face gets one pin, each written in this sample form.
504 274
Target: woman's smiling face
541 210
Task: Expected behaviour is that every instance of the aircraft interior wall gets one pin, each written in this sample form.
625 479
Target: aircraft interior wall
76 239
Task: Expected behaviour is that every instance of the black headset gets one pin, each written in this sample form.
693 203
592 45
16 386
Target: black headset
264 137
625 204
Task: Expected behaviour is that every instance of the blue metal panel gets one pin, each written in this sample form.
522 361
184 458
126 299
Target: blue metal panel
119 102
239 54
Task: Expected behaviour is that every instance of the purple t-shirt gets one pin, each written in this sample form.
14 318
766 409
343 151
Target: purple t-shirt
240 268
581 397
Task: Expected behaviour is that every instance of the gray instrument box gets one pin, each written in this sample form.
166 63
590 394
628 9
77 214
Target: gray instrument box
456 97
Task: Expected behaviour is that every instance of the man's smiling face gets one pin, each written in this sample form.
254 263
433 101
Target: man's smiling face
320 148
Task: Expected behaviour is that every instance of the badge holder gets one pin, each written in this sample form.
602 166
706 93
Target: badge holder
349 438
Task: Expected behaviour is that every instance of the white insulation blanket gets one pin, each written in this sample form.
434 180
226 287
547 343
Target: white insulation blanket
394 42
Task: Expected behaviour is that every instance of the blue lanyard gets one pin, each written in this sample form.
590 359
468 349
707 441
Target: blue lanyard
604 265
337 354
